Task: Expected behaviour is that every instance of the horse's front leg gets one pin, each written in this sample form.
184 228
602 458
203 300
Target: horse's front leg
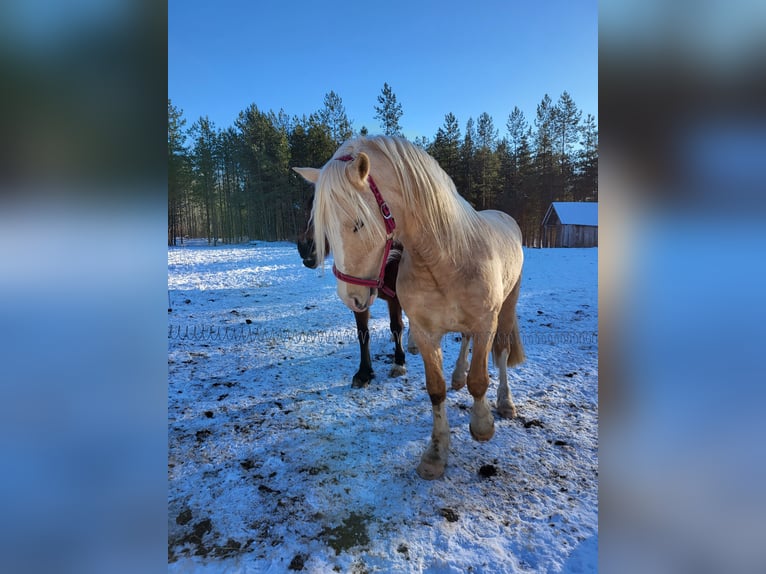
434 459
365 373
482 423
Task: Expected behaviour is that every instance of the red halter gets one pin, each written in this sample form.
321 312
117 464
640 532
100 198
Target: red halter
388 220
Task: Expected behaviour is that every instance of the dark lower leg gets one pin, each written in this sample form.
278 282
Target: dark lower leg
397 329
365 373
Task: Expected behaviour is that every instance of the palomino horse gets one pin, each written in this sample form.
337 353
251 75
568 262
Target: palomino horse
460 269
365 373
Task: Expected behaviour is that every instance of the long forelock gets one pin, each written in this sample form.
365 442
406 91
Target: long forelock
337 203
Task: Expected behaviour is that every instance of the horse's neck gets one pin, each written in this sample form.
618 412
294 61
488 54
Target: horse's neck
424 252
427 247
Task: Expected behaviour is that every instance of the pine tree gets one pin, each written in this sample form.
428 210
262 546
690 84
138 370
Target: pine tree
321 143
486 162
179 174
525 188
232 181
587 162
333 115
204 157
266 161
466 174
505 178
565 119
310 145
544 125
389 112
517 129
543 189
445 148
518 145
565 124
422 142
486 134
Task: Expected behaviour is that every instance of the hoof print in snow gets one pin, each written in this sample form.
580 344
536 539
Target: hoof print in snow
298 561
184 517
487 470
264 488
231 548
200 529
403 549
449 514
533 423
202 435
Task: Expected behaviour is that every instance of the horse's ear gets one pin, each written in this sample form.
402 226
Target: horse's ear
358 170
310 174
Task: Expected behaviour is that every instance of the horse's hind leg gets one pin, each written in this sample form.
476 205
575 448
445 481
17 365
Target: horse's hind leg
460 373
482 425
365 373
507 351
412 346
505 406
397 329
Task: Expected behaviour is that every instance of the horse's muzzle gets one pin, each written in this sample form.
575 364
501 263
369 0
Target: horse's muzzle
361 304
308 252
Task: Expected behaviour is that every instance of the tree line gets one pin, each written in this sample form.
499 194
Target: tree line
235 184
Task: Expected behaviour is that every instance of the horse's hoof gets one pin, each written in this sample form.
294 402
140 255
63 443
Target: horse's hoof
397 371
430 469
359 382
506 411
482 436
458 382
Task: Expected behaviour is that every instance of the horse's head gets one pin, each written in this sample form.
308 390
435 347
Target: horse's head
306 247
346 213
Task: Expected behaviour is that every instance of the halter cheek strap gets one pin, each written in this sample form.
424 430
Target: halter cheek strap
390 224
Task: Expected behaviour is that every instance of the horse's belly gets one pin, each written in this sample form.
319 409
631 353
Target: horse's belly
457 300
440 311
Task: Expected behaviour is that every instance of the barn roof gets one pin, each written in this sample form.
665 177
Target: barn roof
574 212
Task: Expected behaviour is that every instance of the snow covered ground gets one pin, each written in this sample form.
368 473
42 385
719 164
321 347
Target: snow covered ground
275 464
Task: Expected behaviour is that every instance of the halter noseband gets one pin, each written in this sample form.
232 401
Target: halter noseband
390 224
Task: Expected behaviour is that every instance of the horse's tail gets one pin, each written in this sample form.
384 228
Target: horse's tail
508 337
516 354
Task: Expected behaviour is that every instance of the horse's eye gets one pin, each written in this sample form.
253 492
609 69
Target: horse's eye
358 224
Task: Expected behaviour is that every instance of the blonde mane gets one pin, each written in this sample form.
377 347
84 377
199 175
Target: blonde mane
428 195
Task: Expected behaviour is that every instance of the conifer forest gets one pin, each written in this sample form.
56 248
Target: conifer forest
234 184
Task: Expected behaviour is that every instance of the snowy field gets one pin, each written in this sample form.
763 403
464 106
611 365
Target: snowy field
276 465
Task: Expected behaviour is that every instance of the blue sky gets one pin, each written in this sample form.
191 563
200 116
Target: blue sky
438 56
